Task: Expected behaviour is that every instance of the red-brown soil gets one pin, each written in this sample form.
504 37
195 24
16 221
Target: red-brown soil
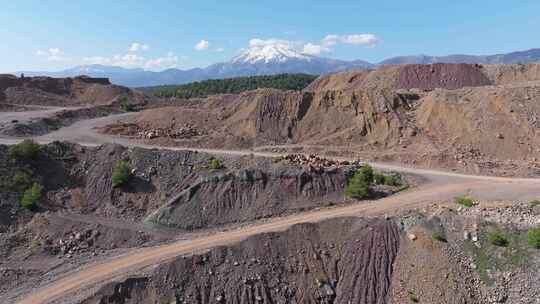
48 91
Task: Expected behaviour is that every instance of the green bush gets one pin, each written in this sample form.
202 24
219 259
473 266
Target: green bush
31 196
359 186
25 150
378 178
497 239
121 174
126 105
464 201
439 237
534 203
392 180
21 180
215 164
533 237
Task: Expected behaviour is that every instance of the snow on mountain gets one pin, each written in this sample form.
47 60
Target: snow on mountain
275 52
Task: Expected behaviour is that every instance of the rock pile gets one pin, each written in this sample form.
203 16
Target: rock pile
316 161
186 131
76 242
522 215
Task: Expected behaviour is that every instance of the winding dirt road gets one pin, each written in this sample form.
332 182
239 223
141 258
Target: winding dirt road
440 187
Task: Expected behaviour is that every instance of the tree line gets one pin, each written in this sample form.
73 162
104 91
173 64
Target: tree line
233 85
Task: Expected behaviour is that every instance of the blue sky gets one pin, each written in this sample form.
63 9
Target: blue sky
52 35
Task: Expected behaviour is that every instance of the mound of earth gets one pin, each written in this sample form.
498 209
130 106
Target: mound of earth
480 128
81 216
413 76
340 261
48 91
438 255
270 117
512 73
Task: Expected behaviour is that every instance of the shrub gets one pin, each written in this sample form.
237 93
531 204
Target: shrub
25 150
21 180
439 237
464 201
533 237
359 186
378 178
534 203
215 164
121 174
392 180
125 105
31 196
497 239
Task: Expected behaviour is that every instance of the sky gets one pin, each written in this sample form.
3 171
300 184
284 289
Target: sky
155 35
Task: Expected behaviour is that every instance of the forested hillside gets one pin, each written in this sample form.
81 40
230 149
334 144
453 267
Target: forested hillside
233 85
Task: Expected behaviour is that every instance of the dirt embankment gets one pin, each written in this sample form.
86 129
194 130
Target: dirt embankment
413 76
42 125
269 117
48 91
502 74
441 254
338 261
249 194
80 216
473 126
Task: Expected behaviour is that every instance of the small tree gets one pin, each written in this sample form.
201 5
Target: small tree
121 174
21 180
497 239
359 186
126 105
25 150
215 164
533 237
464 201
31 196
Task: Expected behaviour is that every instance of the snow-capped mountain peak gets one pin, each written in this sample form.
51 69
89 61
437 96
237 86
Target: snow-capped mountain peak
270 51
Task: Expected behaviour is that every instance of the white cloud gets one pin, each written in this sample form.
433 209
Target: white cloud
125 61
260 43
369 40
219 50
202 45
314 49
135 61
330 40
52 54
168 62
136 46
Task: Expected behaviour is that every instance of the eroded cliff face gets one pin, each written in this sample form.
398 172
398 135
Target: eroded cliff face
338 261
505 74
249 194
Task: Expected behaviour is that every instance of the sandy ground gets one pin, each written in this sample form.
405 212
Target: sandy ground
440 187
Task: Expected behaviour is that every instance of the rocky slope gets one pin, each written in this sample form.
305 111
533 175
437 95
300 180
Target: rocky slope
479 119
80 216
435 255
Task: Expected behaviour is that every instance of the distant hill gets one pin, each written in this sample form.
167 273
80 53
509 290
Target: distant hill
529 56
233 85
272 60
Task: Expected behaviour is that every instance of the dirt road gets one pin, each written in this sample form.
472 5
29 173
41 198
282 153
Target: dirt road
141 258
440 187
